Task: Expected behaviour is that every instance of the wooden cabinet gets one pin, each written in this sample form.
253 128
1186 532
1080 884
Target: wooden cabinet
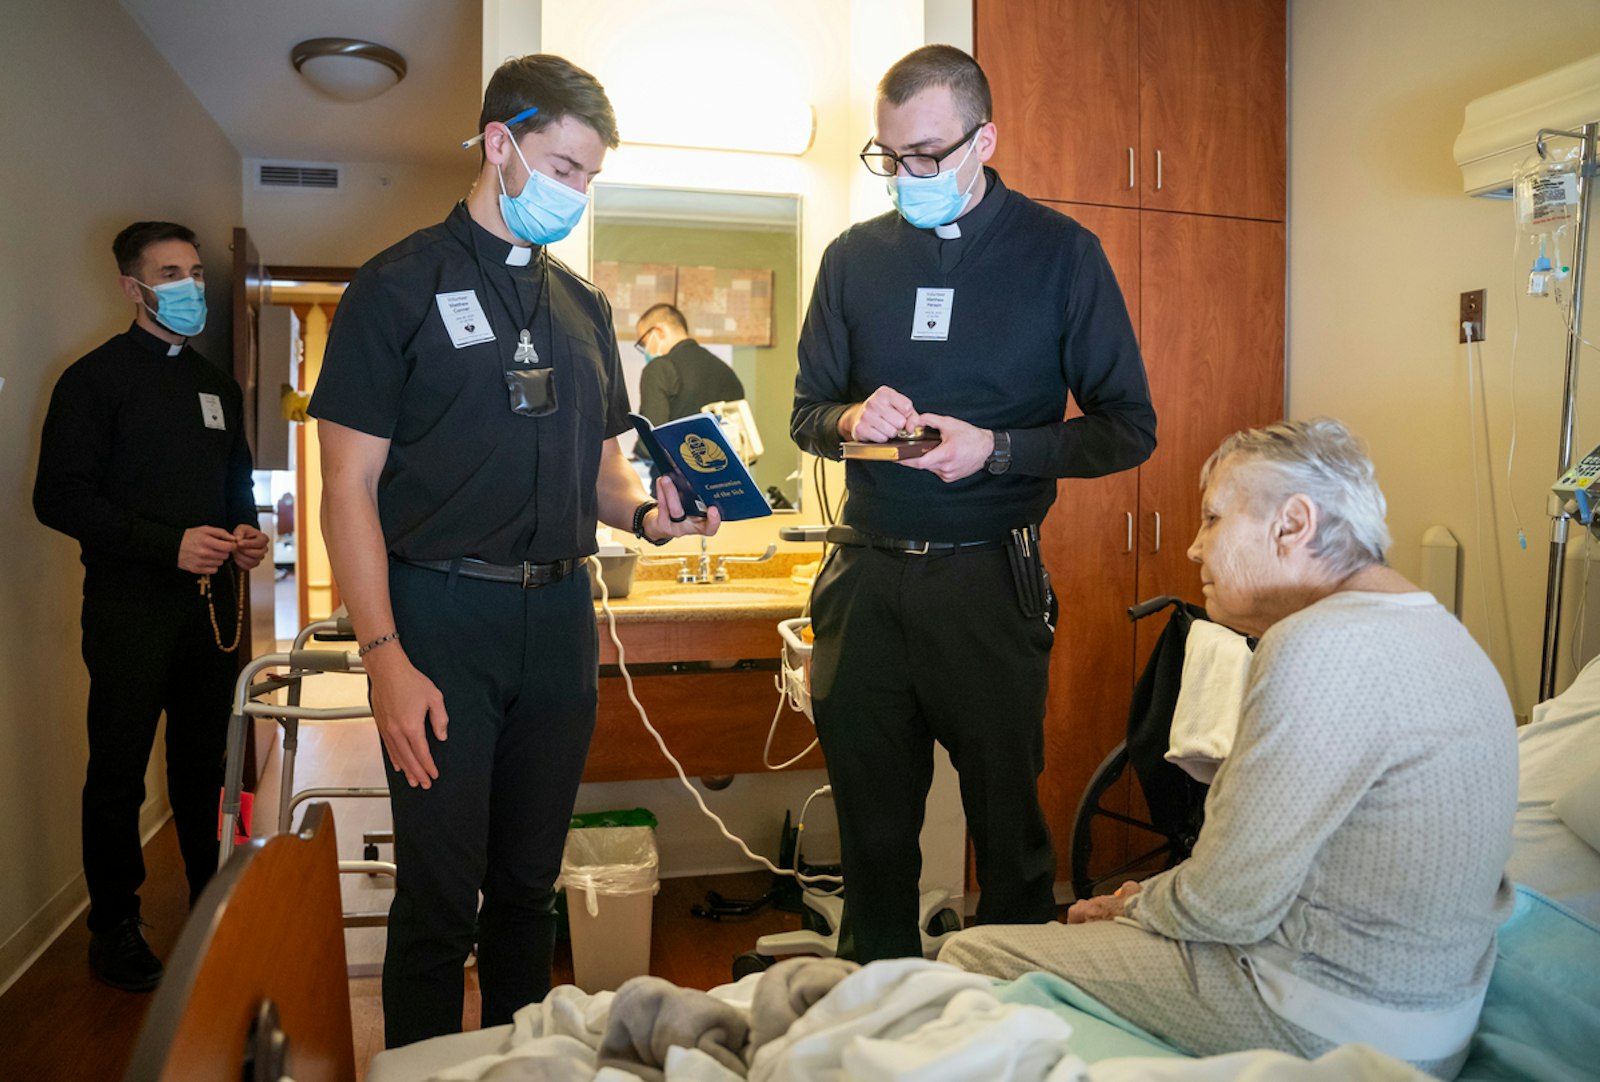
1207 297
706 677
1065 79
1200 259
1211 329
1162 104
1090 544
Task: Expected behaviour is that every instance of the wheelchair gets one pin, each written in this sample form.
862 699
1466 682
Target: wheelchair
1140 814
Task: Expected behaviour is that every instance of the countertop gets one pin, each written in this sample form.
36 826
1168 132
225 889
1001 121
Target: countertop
754 591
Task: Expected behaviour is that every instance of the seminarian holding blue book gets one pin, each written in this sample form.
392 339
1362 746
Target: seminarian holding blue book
468 410
970 311
694 453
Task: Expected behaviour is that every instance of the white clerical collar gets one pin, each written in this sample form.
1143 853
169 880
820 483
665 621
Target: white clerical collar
949 231
174 350
520 255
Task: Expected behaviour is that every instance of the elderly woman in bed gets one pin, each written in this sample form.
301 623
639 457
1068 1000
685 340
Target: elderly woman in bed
1350 875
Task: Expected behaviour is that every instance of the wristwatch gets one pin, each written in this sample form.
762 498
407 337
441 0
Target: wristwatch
1000 458
638 523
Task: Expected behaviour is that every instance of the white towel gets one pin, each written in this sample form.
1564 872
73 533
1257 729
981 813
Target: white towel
1216 664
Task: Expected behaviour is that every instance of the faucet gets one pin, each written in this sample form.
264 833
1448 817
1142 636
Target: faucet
704 573
721 574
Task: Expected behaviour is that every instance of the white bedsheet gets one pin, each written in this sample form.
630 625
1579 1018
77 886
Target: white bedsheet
1557 749
907 1020
890 1021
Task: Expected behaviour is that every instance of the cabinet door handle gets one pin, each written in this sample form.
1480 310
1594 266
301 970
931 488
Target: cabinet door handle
1158 170
1130 534
1130 169
1157 515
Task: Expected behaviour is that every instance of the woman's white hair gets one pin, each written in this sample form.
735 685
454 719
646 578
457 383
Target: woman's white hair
1321 460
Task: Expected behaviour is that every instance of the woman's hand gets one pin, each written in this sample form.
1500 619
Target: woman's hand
1102 907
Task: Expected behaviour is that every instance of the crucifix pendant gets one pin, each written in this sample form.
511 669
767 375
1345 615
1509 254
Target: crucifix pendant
525 352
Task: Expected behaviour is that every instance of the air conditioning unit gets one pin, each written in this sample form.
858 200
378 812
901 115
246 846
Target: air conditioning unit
1501 128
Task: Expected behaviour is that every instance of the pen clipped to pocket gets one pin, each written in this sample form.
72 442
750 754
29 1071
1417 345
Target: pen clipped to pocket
1028 575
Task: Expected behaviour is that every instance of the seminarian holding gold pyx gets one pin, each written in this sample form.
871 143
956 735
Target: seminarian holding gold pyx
965 318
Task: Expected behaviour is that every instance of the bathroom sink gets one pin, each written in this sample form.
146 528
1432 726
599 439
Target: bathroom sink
725 593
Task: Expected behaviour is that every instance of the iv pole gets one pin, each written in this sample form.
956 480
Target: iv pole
1561 519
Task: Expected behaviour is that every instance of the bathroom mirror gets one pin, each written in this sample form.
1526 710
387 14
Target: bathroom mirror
730 261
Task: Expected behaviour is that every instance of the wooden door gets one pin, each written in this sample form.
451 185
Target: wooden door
1089 548
1212 324
1064 76
1212 106
249 295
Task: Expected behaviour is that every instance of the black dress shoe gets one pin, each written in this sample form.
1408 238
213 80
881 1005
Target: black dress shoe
121 958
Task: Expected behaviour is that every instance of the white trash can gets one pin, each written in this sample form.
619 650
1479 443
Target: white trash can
611 876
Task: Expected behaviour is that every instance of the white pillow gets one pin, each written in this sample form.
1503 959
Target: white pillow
1578 806
1555 753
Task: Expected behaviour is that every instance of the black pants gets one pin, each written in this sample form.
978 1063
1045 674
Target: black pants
909 650
518 672
147 655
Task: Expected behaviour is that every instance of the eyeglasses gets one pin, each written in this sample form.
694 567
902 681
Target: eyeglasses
639 345
886 163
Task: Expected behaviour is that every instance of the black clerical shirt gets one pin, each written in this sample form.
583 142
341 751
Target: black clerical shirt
417 355
683 379
141 442
1036 316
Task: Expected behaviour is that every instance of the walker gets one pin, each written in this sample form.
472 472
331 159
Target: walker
824 911
300 662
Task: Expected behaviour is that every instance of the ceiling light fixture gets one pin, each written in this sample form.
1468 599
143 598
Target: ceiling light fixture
346 69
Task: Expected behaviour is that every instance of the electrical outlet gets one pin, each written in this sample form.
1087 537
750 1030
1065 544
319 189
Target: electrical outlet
1471 312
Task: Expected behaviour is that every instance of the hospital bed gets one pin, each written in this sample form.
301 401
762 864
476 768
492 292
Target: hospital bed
1541 1019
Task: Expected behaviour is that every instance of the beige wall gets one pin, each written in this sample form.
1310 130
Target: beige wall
376 205
1382 242
98 132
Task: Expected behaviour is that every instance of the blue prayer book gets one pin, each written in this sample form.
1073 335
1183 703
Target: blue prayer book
695 453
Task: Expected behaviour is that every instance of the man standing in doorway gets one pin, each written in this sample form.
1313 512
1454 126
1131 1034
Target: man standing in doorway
143 460
680 375
972 312
468 406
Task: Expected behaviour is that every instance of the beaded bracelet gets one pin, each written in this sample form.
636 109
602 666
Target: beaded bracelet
381 640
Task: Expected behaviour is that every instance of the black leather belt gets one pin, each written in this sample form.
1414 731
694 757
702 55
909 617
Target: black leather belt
526 575
851 537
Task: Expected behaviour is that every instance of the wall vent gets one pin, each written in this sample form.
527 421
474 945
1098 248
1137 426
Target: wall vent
290 175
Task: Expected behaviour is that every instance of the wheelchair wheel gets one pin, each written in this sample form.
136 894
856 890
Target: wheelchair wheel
1154 849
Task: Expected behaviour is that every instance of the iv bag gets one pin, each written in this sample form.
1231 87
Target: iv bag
1546 191
1545 197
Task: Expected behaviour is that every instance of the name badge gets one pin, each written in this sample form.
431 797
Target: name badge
211 411
931 321
463 318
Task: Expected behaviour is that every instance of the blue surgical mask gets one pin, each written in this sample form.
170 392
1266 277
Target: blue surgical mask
926 202
180 306
544 211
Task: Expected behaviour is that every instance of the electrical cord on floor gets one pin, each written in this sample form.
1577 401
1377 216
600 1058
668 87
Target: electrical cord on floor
627 677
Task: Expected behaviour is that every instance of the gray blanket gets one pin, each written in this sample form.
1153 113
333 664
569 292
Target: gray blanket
649 1016
787 990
